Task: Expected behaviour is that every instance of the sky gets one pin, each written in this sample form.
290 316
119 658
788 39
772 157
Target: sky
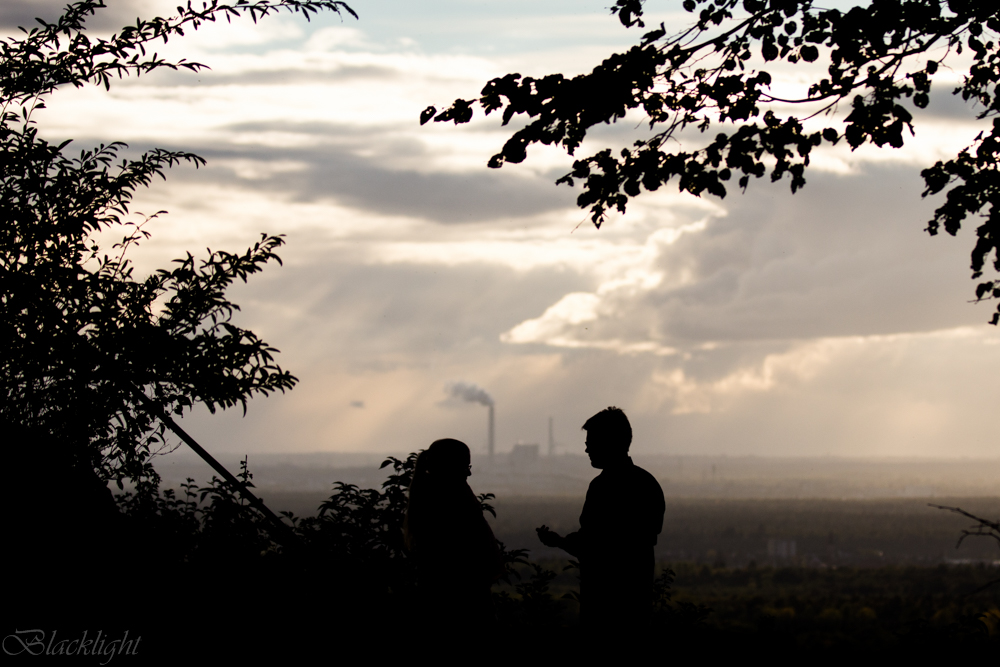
824 323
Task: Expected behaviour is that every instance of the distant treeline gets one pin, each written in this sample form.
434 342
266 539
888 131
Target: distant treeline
867 533
843 605
737 533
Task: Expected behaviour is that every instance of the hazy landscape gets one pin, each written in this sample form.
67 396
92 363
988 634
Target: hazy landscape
525 472
723 511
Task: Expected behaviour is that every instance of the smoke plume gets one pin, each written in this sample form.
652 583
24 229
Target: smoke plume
469 393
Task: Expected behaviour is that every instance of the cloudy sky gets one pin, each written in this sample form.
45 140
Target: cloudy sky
822 323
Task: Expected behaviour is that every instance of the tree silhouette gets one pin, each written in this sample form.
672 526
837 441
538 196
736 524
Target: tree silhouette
92 353
980 528
879 60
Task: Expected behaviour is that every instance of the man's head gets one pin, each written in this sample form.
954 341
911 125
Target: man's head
608 437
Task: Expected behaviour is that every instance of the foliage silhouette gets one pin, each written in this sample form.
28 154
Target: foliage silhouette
79 331
881 60
209 529
354 525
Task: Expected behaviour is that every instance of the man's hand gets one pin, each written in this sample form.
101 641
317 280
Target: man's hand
549 537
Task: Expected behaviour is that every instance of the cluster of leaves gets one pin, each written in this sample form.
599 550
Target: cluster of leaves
210 523
364 527
880 59
355 530
81 334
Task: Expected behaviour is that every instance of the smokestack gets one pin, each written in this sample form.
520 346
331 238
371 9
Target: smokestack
471 393
490 435
552 441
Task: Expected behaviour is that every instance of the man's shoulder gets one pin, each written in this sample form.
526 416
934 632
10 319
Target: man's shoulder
644 477
629 474
642 473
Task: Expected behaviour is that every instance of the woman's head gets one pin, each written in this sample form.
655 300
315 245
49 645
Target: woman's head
446 459
440 466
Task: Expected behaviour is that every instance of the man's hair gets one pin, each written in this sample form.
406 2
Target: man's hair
611 425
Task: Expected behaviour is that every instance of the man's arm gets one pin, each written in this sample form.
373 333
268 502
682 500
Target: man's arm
550 538
574 543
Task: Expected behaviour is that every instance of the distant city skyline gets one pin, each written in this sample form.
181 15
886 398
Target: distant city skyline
827 322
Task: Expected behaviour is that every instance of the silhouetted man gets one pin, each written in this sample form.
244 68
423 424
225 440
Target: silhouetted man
621 517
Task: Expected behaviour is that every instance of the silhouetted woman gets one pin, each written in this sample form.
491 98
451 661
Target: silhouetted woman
456 555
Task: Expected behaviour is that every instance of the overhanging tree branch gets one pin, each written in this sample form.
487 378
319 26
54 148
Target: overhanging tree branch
881 58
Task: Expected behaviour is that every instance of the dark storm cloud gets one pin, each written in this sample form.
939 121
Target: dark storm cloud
335 172
22 13
846 256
